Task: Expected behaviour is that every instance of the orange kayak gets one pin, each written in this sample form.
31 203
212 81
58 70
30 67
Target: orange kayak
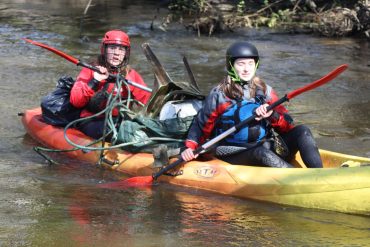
343 184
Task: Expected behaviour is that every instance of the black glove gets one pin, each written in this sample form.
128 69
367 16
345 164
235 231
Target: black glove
111 79
98 101
93 84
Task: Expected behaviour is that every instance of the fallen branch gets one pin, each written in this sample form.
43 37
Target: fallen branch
263 9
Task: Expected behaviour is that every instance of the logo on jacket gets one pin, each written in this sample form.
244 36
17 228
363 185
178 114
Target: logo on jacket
206 171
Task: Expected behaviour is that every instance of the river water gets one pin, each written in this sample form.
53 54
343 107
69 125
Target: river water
60 205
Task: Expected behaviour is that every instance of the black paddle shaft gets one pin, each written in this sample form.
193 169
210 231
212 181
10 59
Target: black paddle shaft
218 138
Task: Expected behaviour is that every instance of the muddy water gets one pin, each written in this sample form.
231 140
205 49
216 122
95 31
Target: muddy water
60 205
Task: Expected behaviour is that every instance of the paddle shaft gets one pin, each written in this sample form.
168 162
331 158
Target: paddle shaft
132 83
86 65
240 125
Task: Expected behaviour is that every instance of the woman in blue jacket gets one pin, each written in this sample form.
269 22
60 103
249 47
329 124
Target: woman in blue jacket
233 100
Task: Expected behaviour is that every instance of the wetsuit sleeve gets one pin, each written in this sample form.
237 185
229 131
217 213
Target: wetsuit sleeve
204 123
280 120
138 94
81 92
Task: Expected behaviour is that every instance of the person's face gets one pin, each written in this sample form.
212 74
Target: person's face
115 54
245 68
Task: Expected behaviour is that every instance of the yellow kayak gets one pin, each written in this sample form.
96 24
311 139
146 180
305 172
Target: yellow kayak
343 184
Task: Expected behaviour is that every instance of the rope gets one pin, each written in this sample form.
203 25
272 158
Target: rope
113 102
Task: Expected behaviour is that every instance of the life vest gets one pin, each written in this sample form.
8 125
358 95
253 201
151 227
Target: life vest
251 133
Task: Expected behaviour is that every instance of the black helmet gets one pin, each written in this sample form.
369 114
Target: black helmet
240 50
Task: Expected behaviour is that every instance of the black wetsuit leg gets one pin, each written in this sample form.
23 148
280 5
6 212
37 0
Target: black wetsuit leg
301 139
261 155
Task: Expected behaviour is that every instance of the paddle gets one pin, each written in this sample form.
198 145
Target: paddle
83 64
147 180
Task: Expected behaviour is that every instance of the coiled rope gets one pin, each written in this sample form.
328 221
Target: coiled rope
113 102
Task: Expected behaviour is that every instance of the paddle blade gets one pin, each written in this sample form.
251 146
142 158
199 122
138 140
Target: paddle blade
319 82
62 54
142 181
79 214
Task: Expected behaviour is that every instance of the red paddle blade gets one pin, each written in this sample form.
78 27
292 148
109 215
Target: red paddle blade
319 82
142 181
62 54
79 214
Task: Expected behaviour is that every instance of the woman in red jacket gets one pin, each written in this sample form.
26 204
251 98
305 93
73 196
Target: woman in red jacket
233 100
91 89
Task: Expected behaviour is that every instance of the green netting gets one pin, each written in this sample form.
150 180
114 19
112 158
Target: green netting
146 132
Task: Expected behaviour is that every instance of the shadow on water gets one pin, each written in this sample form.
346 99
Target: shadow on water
60 205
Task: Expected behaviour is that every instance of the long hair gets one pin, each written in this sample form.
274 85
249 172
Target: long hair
257 83
235 91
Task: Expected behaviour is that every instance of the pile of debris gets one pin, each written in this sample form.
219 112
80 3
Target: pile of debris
327 18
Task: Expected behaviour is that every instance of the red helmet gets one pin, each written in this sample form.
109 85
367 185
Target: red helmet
116 37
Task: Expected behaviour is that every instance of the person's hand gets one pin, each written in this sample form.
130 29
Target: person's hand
261 112
188 154
104 73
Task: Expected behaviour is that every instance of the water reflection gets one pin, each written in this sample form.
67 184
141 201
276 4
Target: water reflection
171 216
156 217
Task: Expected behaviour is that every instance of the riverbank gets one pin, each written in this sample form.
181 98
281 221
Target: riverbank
325 18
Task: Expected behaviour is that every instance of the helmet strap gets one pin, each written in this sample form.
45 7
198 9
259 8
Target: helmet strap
236 78
233 74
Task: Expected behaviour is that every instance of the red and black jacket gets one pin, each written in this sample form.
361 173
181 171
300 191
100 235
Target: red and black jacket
81 92
216 103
